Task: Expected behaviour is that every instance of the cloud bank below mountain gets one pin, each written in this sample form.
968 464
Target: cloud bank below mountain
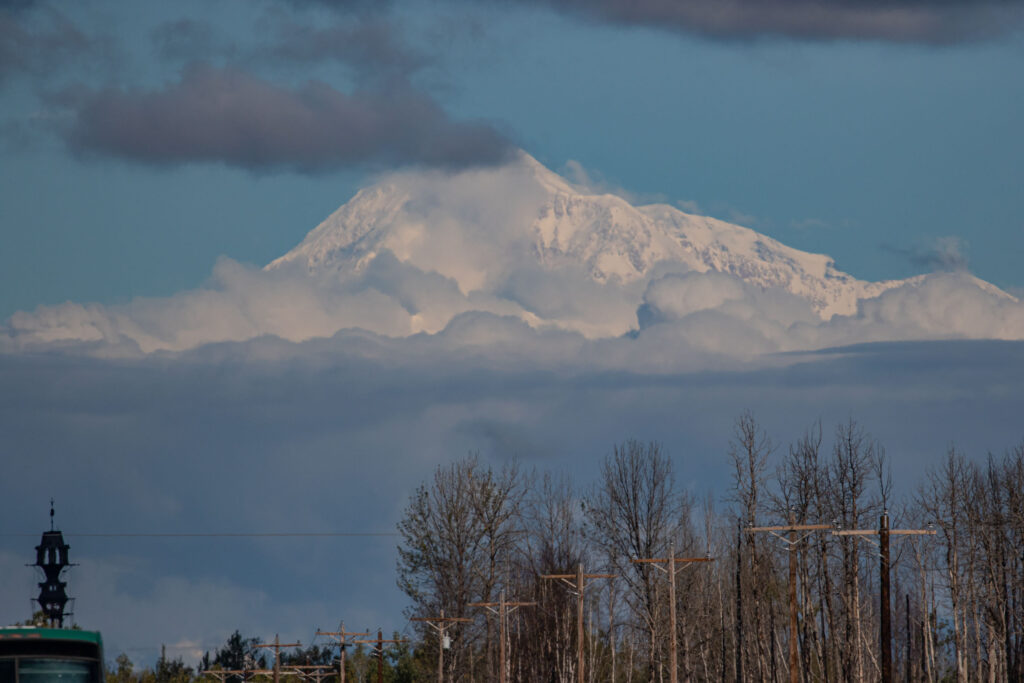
707 312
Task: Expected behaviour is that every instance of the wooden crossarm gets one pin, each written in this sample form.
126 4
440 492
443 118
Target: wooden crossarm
892 532
790 527
678 559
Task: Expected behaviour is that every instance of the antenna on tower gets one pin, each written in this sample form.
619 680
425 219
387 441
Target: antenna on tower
51 514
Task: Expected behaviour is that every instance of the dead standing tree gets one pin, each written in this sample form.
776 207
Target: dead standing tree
749 450
552 543
848 476
635 511
458 536
801 490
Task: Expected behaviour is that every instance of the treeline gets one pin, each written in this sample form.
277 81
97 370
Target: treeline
475 533
319 662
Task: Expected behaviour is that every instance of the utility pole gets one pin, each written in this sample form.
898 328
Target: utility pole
791 540
340 635
276 646
672 561
380 652
502 612
441 624
884 533
578 588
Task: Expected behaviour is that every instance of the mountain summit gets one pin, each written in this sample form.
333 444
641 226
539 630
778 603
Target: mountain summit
472 226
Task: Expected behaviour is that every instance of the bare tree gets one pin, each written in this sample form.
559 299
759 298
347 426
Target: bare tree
635 512
749 450
553 544
849 475
457 535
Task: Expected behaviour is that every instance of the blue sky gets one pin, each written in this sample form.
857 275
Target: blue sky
170 150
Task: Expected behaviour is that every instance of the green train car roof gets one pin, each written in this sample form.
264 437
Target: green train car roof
23 633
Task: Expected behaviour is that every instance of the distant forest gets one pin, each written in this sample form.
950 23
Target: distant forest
480 534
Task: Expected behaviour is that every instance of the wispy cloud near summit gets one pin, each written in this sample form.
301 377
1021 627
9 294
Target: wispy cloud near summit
948 253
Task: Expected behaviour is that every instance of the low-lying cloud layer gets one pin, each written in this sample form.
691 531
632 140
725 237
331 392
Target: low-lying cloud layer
333 435
706 312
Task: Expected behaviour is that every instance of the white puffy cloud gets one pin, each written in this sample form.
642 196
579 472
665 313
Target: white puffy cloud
719 313
710 312
941 306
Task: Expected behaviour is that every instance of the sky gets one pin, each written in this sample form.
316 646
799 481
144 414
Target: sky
154 156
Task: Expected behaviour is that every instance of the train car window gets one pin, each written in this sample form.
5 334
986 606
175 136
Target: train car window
53 670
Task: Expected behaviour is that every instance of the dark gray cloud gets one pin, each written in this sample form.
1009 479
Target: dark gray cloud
188 40
926 21
15 5
346 5
229 116
914 21
372 45
39 44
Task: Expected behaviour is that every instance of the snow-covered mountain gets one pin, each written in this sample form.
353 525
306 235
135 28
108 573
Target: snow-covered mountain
470 234
471 256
